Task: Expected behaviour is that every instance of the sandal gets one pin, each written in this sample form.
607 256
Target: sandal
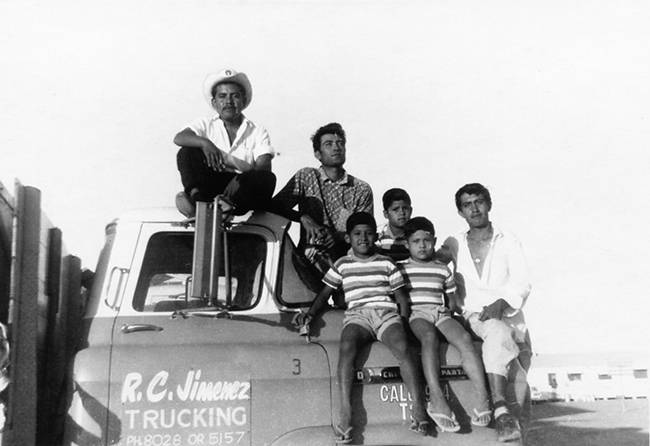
476 418
342 436
438 417
420 427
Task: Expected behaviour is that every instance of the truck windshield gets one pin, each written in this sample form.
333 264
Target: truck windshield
167 269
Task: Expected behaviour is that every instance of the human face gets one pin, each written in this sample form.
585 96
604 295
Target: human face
332 151
475 210
397 214
421 245
228 100
362 240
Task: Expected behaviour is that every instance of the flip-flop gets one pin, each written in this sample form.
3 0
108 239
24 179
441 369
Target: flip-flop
420 427
342 436
441 416
476 418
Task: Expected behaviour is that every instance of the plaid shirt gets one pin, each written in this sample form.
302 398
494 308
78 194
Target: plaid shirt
328 202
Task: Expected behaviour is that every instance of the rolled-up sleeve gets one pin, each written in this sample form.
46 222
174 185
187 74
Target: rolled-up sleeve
198 126
262 143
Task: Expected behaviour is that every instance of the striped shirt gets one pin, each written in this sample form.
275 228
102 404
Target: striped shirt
366 283
427 283
394 247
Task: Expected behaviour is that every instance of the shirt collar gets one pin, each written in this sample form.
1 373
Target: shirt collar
496 232
359 259
391 235
325 179
245 121
413 261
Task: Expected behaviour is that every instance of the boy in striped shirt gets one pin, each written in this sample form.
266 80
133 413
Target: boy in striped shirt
397 210
369 282
428 283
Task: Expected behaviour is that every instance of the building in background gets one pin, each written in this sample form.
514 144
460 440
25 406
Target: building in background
589 376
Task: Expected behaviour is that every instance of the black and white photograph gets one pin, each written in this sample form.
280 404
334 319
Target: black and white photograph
322 222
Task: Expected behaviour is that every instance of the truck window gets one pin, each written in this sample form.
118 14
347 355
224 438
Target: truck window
299 280
167 268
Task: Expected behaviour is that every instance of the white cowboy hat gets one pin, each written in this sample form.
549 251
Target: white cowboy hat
227 75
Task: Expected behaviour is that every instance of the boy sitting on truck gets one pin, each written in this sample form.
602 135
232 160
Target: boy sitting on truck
429 283
369 282
397 210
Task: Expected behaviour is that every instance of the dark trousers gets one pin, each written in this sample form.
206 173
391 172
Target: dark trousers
248 190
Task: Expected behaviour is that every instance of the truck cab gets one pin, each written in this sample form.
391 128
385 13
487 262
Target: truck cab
165 362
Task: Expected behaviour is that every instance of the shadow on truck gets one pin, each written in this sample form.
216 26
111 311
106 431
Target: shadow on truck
188 340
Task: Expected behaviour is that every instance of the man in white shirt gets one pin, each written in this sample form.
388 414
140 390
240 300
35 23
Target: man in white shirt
226 153
491 268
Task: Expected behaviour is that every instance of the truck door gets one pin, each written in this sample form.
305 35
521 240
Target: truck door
183 373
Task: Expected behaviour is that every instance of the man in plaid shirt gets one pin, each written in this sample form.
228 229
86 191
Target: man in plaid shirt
325 197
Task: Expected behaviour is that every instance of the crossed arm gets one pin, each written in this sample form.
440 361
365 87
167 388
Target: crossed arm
216 158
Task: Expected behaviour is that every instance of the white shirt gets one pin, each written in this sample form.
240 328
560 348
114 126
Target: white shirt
505 273
251 141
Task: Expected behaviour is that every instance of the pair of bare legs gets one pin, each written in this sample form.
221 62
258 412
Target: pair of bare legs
353 338
471 361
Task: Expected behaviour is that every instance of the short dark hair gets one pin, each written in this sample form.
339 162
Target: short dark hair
416 224
360 218
393 195
242 90
333 128
473 189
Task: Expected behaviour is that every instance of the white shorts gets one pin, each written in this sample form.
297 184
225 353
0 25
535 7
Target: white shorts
431 313
375 320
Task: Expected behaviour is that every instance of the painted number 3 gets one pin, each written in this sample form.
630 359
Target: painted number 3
296 366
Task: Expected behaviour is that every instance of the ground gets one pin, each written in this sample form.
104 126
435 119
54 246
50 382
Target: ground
598 423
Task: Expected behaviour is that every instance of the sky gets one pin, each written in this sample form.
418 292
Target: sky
545 102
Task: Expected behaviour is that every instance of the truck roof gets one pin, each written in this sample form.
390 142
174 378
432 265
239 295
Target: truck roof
153 214
170 214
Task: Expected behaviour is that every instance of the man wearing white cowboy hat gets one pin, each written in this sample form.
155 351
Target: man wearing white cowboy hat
226 153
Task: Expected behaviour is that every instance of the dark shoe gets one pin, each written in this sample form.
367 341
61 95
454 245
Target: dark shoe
507 428
197 195
421 427
185 205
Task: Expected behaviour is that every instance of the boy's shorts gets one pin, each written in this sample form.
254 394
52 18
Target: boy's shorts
430 313
375 320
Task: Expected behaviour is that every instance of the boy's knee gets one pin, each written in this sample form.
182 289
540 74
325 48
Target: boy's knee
400 350
347 348
465 342
428 338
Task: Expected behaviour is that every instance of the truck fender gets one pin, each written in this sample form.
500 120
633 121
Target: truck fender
308 436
